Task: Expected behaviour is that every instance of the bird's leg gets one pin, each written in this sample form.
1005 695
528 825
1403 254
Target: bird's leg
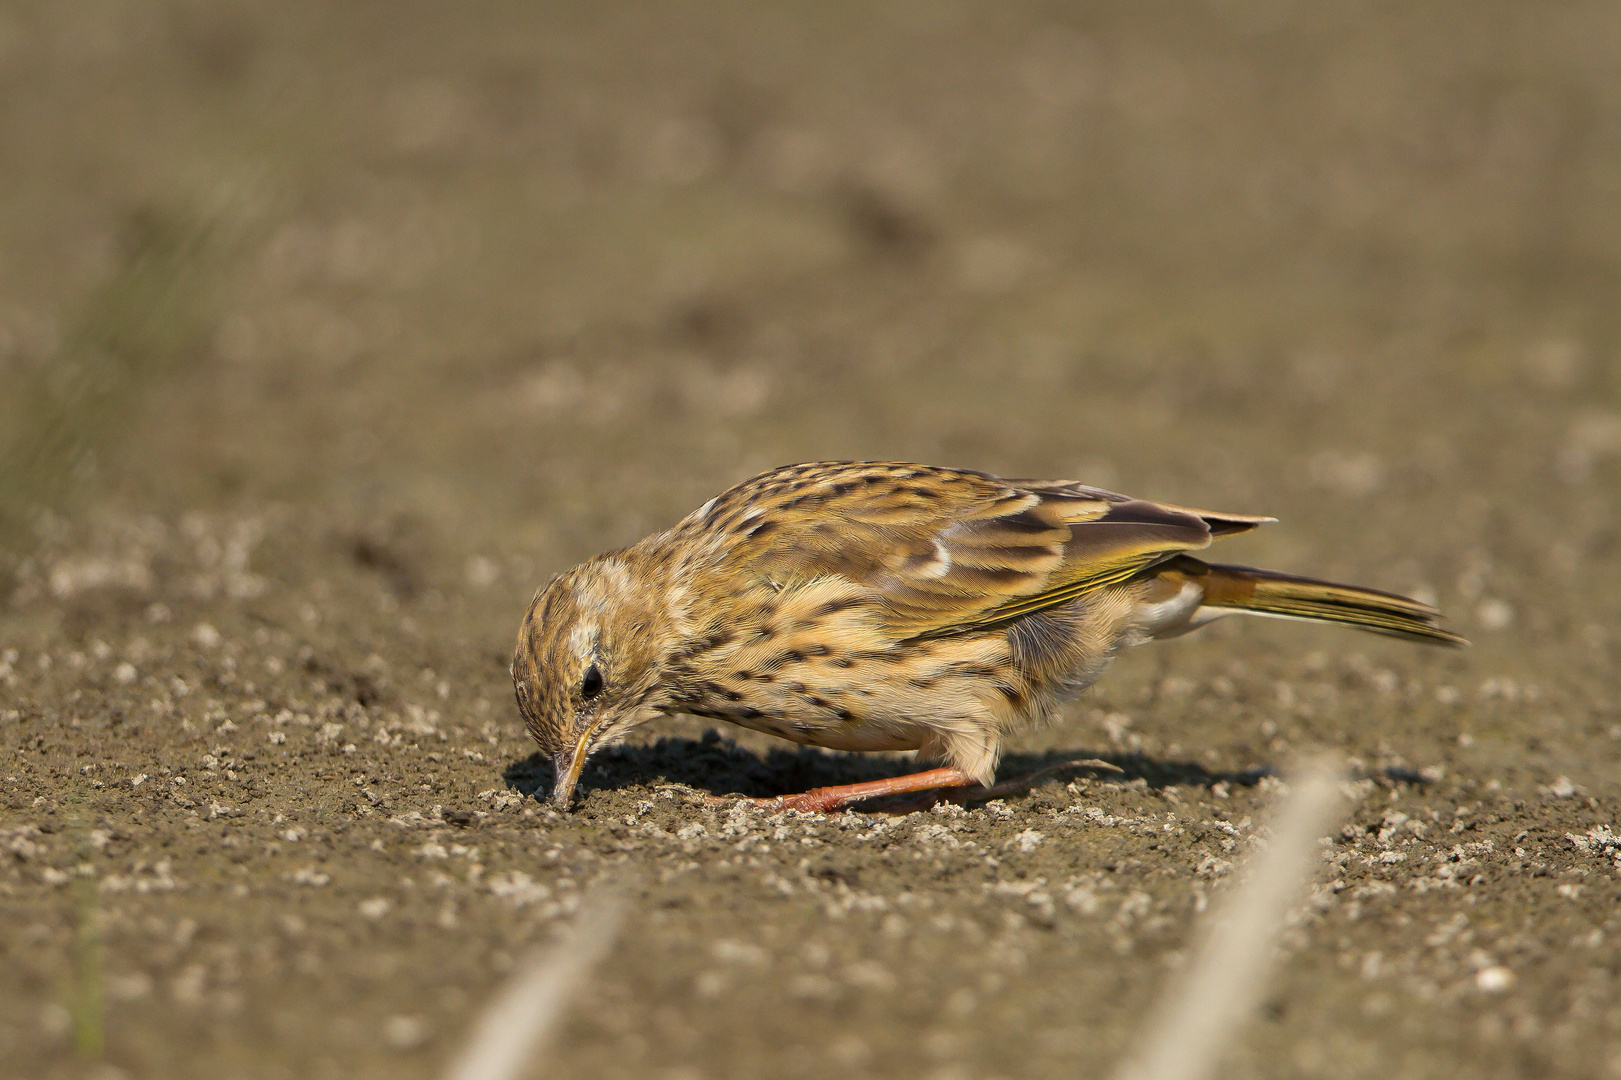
825 799
1016 786
941 784
1020 785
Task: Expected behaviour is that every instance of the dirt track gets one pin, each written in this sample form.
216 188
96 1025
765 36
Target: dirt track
366 325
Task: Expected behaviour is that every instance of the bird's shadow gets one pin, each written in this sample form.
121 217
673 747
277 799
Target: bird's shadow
720 766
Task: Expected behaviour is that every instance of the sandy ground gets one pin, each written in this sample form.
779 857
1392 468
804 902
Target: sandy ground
326 339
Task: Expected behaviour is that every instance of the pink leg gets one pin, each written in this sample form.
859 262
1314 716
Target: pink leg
935 781
1016 786
823 799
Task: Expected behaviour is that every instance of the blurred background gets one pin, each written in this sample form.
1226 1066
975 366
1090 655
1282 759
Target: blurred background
348 325
539 278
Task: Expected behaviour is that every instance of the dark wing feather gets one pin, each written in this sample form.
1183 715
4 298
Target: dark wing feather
949 551
1130 536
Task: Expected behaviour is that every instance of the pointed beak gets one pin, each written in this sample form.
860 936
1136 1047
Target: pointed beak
568 766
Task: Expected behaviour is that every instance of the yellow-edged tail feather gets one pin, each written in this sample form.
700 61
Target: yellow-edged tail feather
1267 592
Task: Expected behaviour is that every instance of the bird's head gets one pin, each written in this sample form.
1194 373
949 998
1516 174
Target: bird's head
586 668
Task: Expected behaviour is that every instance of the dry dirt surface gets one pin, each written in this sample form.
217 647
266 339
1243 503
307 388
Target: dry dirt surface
329 333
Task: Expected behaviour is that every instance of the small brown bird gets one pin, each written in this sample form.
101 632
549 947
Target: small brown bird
887 606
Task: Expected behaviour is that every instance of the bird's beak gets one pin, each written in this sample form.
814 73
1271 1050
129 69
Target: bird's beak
568 766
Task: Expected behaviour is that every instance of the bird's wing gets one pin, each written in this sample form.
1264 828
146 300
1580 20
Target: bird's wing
949 551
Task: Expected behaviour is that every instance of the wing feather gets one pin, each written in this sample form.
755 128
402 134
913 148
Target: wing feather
950 551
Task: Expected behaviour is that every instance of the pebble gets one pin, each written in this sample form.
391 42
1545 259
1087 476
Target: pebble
405 1032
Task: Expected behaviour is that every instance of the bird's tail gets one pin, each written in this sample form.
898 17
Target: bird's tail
1266 592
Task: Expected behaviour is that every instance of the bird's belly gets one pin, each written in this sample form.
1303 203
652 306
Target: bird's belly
829 735
861 692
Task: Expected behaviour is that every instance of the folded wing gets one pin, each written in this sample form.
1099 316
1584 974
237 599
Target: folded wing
950 551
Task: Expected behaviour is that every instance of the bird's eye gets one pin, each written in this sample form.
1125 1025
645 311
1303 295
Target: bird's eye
591 685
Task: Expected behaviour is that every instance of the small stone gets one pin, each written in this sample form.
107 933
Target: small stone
131 987
850 1051
189 987
740 953
375 908
482 572
1028 840
870 975
1494 615
105 1071
405 1032
1494 979
813 987
309 875
55 1021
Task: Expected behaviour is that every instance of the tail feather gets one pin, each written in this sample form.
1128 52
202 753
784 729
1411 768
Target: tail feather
1266 592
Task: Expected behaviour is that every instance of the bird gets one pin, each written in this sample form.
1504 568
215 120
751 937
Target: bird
886 606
